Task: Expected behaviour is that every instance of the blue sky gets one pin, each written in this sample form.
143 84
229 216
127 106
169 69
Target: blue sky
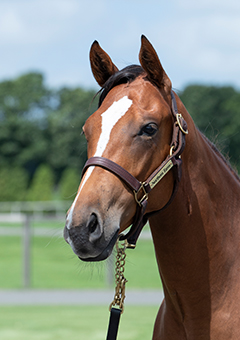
196 41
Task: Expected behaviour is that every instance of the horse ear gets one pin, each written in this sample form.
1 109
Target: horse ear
101 64
153 67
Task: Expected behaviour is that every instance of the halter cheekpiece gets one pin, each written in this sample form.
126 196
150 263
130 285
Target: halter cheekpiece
141 190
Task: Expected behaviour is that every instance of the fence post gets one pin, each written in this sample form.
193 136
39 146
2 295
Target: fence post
26 236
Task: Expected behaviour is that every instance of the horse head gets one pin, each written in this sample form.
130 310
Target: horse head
133 128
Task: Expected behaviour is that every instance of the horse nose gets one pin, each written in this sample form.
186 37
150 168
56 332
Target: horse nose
83 235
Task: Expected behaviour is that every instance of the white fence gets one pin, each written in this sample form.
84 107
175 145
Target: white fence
35 207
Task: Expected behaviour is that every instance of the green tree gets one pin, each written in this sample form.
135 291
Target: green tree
23 107
23 97
42 185
40 125
232 129
13 184
67 145
216 112
69 183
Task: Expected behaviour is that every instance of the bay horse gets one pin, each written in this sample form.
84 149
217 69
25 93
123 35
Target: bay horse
148 161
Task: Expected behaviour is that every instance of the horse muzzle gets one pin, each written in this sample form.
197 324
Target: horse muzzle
89 241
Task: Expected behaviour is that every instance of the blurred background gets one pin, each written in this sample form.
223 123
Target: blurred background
46 94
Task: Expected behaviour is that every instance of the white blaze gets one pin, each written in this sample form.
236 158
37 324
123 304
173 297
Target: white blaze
109 118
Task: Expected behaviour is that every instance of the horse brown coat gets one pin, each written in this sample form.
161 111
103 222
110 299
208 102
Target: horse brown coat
197 237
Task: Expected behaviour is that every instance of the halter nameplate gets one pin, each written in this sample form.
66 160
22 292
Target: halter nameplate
157 178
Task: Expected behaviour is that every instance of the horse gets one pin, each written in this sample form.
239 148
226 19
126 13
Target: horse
148 161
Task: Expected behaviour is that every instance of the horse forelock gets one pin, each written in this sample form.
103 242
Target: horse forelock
124 76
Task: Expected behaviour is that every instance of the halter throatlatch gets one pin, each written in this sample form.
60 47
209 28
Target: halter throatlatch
141 190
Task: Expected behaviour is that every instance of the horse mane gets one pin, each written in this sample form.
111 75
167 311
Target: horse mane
124 76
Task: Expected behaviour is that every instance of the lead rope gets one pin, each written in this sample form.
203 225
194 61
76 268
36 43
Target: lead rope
116 308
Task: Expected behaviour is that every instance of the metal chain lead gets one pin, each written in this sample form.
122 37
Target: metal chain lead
119 277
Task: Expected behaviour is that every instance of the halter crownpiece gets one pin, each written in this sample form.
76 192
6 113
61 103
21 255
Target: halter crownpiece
141 190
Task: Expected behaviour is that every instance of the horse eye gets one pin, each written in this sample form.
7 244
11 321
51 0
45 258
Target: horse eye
149 129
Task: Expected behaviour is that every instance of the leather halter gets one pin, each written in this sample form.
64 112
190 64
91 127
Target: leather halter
173 161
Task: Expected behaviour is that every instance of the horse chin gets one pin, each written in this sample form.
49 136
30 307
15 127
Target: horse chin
104 254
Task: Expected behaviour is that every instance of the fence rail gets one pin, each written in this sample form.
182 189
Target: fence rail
43 207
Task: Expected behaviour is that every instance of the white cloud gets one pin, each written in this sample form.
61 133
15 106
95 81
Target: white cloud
202 46
10 25
205 5
42 21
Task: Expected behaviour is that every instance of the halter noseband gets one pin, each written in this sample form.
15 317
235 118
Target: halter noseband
173 161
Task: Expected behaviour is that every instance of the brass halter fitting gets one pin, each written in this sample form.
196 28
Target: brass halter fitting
145 194
179 117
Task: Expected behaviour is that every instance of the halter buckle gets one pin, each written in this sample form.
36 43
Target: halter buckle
145 194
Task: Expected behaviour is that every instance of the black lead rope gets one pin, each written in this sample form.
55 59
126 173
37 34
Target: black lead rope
114 319
119 296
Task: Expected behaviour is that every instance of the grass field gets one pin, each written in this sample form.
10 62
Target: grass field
75 323
53 264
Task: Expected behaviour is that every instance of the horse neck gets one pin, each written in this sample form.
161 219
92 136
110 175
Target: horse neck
194 236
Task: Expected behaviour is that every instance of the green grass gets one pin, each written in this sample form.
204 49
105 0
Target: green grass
10 262
53 265
85 322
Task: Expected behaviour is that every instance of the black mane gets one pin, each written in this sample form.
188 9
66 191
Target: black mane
126 75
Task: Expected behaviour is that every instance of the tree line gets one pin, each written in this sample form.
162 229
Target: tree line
42 149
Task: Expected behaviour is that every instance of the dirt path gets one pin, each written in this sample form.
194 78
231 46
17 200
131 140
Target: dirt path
76 297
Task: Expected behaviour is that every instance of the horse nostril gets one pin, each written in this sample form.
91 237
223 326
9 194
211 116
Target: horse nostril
94 228
92 223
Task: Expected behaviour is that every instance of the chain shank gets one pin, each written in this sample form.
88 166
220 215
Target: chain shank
120 280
